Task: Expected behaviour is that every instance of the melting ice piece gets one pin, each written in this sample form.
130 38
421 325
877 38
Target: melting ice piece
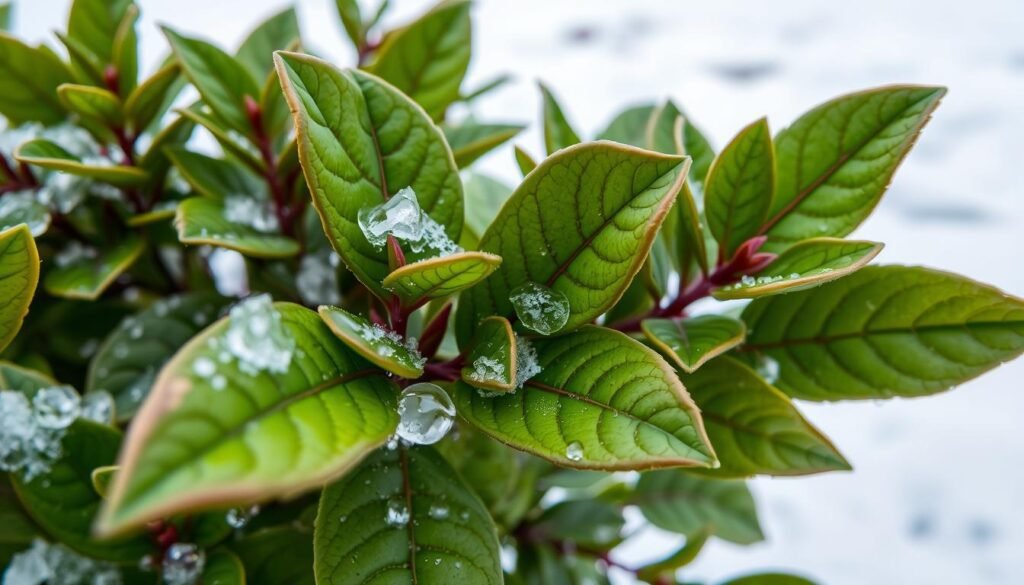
98 407
258 338
56 564
487 369
250 211
27 447
183 564
56 407
425 413
22 207
397 513
574 451
540 308
238 517
399 216
434 239
317 279
527 365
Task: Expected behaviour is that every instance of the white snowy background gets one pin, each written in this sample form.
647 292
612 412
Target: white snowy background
937 495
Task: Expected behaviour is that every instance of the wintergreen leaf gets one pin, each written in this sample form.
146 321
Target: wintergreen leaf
594 525
558 133
231 144
692 341
281 555
88 278
404 516
127 362
352 21
221 80
484 197
49 155
614 198
739 188
63 502
470 140
223 568
885 331
524 161
147 101
835 162
360 142
19 530
629 126
427 58
126 52
256 52
377 344
769 579
19 276
601 401
28 89
439 277
200 220
85 66
755 428
92 103
94 24
680 502
491 363
24 380
285 432
216 178
807 264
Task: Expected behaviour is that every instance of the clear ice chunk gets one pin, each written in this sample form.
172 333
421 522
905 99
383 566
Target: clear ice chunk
540 308
399 216
426 413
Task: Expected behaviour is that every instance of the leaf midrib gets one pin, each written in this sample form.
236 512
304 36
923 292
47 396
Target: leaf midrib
825 339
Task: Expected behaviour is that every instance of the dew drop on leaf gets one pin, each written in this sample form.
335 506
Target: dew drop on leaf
768 368
397 512
426 413
238 518
98 407
438 511
183 564
540 308
56 407
574 451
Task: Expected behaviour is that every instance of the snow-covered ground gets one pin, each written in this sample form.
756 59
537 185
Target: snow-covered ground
936 496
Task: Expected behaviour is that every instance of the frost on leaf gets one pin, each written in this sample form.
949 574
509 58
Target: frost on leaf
540 308
527 365
183 564
426 414
487 370
21 207
317 280
31 432
258 338
55 564
252 212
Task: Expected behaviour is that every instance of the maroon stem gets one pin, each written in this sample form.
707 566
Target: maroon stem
278 190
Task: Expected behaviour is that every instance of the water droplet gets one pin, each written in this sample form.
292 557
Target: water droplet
183 564
540 308
768 368
397 512
574 451
257 336
98 406
218 382
438 511
204 367
237 518
426 414
56 407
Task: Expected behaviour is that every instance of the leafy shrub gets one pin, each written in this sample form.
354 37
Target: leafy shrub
314 439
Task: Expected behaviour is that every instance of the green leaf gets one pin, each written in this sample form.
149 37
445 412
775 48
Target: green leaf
594 525
352 21
126 52
243 151
361 141
667 567
558 133
221 80
856 143
446 536
24 380
807 264
484 197
378 345
5 16
769 579
691 342
127 362
427 59
697 147
440 277
200 220
63 502
755 428
495 473
147 101
85 66
101 478
223 568
491 363
48 155
89 278
524 161
155 160
580 224
740 187
257 50
629 126
19 276
19 530
283 432
677 501
94 23
28 89
92 103
885 331
281 555
601 401
470 140
216 178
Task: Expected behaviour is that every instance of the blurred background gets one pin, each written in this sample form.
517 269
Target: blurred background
936 495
